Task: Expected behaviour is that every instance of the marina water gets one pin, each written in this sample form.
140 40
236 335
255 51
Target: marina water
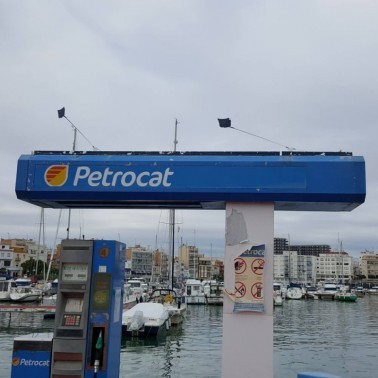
309 335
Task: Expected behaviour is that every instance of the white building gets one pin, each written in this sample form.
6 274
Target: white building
291 267
334 267
6 255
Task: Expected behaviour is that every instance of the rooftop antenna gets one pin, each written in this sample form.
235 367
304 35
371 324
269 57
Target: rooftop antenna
226 123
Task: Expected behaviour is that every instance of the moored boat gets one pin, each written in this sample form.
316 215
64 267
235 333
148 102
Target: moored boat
194 293
22 282
311 292
129 297
172 303
145 320
213 292
360 291
278 295
277 298
327 291
25 294
373 290
294 291
5 289
344 296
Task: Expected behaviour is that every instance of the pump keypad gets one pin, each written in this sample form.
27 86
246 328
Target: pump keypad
71 320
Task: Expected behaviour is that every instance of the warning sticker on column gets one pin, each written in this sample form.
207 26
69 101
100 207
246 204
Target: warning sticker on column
248 292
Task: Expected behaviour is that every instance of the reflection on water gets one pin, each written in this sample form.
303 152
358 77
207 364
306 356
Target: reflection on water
339 338
190 350
334 337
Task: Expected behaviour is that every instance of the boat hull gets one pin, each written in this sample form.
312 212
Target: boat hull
146 331
25 298
5 297
327 296
346 297
195 300
145 320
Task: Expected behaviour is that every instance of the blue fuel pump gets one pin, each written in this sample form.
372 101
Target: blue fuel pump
88 319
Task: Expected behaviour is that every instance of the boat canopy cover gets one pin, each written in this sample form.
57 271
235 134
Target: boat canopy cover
150 310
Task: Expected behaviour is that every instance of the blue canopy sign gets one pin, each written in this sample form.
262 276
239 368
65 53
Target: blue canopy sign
300 181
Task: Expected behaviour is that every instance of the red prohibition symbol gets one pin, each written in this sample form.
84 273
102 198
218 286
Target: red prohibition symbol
258 266
240 289
240 265
256 290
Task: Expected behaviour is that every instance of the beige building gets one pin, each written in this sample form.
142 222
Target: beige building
189 257
369 265
204 268
335 267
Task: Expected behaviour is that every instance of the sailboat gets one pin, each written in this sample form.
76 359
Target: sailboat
171 300
343 294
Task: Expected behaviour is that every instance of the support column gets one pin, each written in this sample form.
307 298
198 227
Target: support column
248 336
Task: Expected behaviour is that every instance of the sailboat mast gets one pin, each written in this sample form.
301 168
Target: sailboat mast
172 216
69 210
41 221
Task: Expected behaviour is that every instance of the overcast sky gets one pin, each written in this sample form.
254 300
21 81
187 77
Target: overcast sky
303 73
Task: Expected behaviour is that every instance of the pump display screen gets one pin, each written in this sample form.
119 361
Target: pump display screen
74 272
74 305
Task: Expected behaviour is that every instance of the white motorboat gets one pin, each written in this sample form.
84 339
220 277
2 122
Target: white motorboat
213 291
171 302
194 293
137 285
278 295
129 297
25 294
277 298
5 289
327 291
294 292
311 292
145 319
373 290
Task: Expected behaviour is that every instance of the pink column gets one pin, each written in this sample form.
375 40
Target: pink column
248 336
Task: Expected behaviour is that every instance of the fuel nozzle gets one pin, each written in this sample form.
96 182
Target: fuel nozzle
98 354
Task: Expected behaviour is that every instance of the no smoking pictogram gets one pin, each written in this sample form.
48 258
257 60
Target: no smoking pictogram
240 265
240 289
258 266
256 290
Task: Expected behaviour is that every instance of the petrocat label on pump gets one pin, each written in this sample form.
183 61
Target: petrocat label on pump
31 364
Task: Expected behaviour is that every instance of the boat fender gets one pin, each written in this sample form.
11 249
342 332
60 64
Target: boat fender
168 298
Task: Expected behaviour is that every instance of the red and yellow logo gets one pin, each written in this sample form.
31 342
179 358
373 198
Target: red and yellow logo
56 175
15 361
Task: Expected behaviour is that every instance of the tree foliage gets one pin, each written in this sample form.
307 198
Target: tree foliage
29 267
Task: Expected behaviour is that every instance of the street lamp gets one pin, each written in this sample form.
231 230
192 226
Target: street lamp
226 123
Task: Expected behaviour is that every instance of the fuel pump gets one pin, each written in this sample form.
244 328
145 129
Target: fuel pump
88 318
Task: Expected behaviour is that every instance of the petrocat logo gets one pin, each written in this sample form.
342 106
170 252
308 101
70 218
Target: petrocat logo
56 175
29 362
125 179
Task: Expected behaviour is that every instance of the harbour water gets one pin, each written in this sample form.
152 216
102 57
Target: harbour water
309 335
